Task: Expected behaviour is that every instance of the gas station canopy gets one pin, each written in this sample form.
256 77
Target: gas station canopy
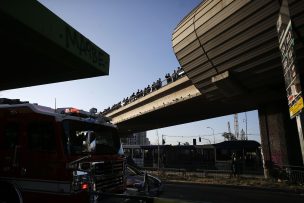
40 48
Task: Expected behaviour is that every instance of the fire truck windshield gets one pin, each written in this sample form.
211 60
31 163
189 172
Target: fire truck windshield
88 138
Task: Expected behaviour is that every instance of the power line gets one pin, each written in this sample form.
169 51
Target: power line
194 136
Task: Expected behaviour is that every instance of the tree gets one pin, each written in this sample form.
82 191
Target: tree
229 136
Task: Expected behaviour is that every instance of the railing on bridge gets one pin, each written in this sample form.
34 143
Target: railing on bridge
177 74
164 105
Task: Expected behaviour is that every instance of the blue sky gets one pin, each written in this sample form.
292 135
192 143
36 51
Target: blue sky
137 35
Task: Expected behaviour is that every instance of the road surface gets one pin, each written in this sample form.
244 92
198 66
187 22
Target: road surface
226 194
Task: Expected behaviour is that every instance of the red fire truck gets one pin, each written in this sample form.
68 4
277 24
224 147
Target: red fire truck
57 155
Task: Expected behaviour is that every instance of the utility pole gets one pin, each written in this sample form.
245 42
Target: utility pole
157 151
246 135
212 134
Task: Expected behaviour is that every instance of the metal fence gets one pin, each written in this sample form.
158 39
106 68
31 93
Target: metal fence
199 173
215 170
291 174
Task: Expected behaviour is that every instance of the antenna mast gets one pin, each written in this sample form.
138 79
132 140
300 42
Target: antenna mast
236 126
229 129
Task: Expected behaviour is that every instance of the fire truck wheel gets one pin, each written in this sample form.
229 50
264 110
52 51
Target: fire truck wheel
9 193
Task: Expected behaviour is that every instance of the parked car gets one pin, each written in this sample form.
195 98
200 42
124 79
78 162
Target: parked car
142 183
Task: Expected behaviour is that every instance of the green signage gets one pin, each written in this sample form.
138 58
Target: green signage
36 17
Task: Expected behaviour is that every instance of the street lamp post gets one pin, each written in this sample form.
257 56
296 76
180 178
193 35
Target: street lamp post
157 151
212 134
246 126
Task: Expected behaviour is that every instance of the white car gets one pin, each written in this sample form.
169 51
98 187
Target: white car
141 183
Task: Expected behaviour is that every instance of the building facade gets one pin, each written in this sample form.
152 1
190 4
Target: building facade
136 139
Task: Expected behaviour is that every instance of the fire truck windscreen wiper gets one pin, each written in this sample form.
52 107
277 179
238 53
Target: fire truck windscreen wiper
73 164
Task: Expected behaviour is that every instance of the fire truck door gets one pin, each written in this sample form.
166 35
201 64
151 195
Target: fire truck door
10 148
40 157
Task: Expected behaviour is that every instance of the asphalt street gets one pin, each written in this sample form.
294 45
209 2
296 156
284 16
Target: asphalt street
227 194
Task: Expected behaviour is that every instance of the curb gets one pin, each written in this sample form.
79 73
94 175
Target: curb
285 190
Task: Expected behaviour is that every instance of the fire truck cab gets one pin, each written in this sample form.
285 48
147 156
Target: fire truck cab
57 155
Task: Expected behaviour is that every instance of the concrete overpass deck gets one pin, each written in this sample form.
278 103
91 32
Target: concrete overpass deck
171 94
181 102
235 37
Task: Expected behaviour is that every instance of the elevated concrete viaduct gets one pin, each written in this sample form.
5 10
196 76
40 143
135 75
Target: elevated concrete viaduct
181 102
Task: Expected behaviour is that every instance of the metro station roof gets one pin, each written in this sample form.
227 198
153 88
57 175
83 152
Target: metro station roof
40 48
238 144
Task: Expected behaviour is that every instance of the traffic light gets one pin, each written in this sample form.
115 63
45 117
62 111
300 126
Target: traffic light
164 142
194 141
199 139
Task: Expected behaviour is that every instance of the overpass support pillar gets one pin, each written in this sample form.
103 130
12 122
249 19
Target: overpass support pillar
279 137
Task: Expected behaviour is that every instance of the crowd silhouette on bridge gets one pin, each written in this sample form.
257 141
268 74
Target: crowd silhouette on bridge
178 73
